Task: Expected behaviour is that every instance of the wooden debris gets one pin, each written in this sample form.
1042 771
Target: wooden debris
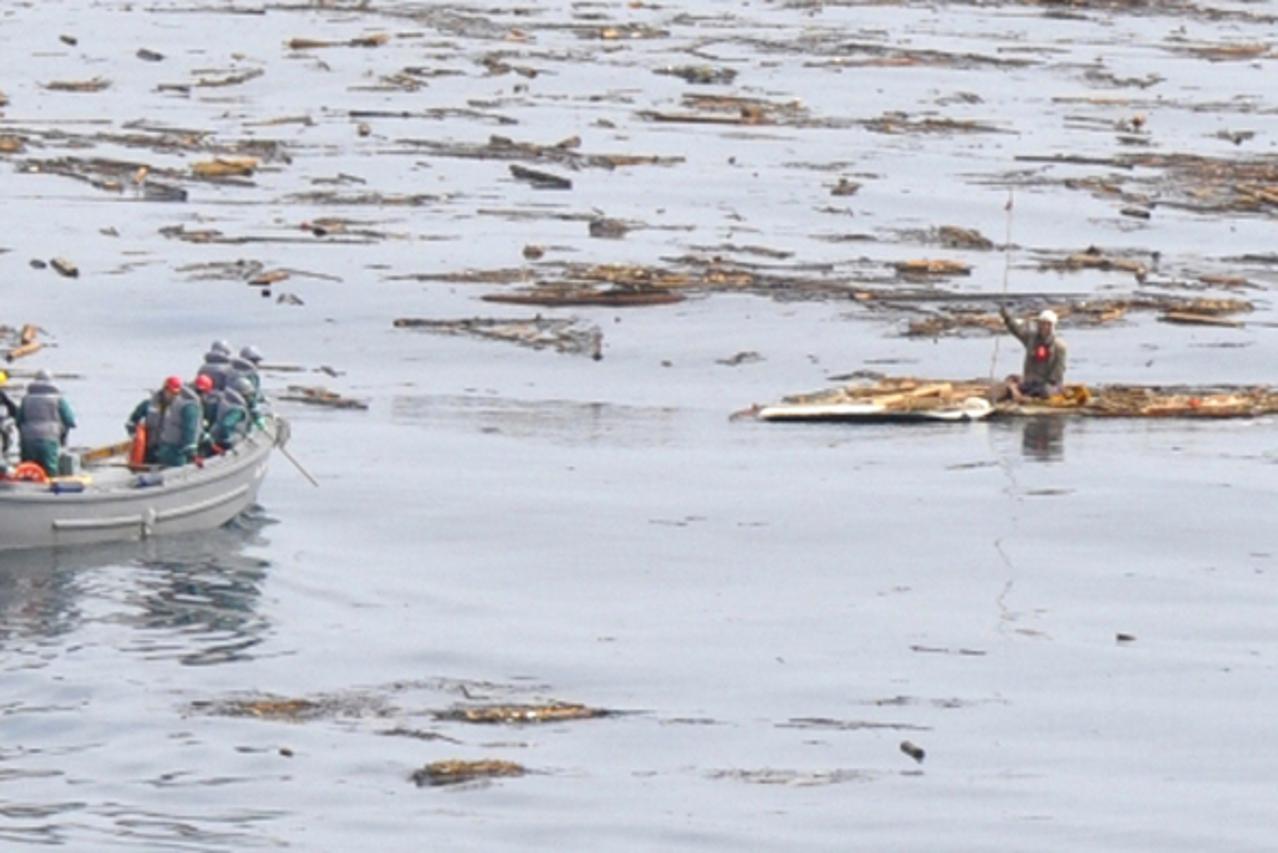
225 167
10 144
913 751
614 297
27 344
963 238
555 712
320 396
97 84
699 74
932 267
65 267
845 187
905 394
540 180
456 771
1190 318
375 40
266 279
565 335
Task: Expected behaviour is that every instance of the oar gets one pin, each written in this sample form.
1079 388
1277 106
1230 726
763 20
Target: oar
106 451
289 456
298 466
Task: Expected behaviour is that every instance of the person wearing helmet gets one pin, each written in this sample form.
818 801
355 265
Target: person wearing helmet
217 364
44 419
10 440
5 403
1043 373
173 416
231 419
241 365
251 353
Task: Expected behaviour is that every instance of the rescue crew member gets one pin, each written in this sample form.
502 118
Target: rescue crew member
10 443
1043 373
5 403
217 364
172 417
243 366
44 419
231 420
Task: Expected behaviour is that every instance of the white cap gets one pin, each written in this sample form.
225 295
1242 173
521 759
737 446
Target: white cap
1048 316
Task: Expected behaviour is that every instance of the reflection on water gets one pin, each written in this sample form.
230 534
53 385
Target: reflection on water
561 421
194 597
1043 439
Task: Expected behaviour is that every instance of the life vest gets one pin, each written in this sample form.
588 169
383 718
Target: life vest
40 415
216 367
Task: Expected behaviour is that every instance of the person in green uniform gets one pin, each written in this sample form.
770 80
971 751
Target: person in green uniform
44 419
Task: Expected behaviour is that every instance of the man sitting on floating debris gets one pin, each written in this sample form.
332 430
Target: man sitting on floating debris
1043 373
44 419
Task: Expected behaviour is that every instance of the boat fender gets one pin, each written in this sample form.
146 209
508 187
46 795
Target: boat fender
30 472
151 478
69 487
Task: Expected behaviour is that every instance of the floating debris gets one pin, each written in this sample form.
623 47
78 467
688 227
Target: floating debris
794 778
959 319
97 84
568 335
540 180
65 268
899 396
745 357
699 74
375 40
26 344
913 751
932 267
225 167
555 712
457 771
320 396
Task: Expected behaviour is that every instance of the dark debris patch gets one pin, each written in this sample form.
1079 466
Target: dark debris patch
291 710
457 771
850 725
554 712
793 778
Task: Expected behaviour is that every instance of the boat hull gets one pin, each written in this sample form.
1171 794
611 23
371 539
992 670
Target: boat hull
115 508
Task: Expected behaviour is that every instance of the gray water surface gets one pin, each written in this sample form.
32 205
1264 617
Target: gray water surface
1071 619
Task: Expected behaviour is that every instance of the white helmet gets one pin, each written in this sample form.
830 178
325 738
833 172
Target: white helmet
1048 316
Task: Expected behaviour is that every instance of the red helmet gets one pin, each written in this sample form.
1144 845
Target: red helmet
173 383
203 383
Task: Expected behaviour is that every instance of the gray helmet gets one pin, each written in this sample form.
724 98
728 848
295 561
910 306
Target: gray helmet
242 386
252 354
220 346
43 375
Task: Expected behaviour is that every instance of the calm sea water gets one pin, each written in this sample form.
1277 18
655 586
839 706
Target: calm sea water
771 610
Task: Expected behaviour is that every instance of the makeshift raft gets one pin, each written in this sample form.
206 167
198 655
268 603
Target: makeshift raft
904 399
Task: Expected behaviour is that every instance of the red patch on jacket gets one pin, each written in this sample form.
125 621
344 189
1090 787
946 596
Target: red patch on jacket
1041 352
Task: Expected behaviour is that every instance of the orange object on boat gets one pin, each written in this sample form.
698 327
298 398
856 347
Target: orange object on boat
137 453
